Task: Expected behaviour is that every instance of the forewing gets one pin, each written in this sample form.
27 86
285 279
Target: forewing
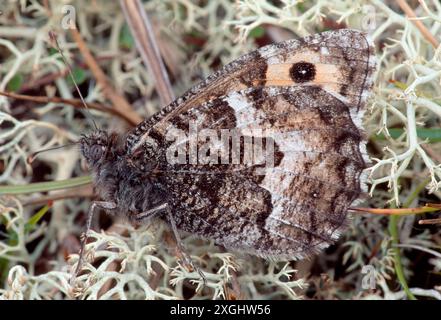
344 61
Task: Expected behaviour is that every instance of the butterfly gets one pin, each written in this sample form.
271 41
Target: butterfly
300 101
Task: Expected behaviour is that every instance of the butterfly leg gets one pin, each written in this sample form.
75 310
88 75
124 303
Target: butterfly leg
181 248
144 216
187 259
96 204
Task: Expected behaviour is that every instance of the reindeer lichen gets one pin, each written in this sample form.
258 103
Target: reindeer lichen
195 38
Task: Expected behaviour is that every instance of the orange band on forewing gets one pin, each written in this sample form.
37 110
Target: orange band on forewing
327 75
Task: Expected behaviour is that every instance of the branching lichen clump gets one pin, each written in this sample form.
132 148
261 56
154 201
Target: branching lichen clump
139 263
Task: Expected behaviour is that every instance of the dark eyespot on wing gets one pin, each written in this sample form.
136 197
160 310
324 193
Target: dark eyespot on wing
302 72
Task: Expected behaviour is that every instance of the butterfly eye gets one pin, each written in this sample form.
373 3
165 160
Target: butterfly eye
96 152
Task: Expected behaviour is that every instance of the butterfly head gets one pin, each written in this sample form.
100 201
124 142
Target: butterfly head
97 147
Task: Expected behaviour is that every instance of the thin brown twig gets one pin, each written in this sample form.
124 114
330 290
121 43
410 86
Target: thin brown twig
430 221
73 102
49 78
432 153
80 192
411 14
118 101
434 205
396 211
147 46
46 79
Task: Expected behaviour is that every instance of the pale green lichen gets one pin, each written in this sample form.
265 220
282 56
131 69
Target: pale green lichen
139 264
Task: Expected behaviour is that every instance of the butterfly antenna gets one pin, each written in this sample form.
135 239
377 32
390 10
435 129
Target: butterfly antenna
34 155
53 37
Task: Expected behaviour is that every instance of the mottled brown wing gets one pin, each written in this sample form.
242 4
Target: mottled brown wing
307 97
290 209
344 62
